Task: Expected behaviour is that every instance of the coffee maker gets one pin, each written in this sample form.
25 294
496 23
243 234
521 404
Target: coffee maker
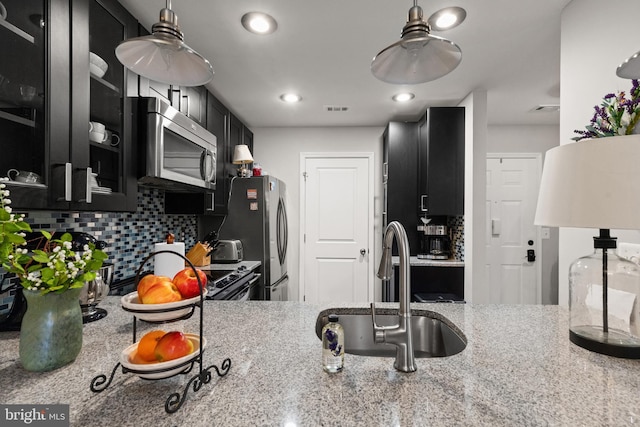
435 243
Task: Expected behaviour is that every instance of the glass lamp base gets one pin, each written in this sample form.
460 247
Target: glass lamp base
613 343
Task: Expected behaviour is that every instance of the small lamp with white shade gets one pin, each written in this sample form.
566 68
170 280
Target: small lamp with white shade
596 184
242 156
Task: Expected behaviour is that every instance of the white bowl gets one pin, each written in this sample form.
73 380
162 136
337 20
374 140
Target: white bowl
130 302
97 65
151 367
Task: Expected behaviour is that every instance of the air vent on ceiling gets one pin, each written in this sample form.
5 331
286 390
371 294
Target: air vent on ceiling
339 108
546 108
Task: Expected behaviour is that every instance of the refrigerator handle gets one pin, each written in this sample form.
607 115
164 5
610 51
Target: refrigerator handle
285 226
285 244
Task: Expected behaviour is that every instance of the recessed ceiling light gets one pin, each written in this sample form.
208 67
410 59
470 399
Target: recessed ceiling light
403 97
447 18
259 23
291 98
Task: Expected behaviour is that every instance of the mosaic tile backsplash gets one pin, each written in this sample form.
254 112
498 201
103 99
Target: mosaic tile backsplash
130 235
456 226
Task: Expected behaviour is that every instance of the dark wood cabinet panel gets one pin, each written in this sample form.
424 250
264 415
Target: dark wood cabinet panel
217 120
400 140
441 162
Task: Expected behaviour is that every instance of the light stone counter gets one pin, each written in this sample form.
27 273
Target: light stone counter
519 368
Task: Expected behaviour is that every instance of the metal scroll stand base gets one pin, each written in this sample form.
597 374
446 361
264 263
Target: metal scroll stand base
175 400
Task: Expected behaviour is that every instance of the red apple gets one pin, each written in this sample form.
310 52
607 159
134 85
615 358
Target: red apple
173 345
187 282
158 290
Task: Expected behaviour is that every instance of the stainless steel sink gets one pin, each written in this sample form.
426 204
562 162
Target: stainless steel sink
433 334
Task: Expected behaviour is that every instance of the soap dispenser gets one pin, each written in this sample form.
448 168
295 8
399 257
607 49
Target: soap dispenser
332 345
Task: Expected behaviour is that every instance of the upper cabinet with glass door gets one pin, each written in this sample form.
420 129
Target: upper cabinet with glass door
23 94
102 142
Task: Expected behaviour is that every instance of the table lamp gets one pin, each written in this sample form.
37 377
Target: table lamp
242 156
595 183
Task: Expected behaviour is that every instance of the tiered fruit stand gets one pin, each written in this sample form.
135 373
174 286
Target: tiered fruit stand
175 400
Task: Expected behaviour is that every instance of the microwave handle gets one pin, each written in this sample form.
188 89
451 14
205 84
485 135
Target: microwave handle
207 165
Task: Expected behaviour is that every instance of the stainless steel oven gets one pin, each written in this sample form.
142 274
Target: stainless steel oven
240 284
176 151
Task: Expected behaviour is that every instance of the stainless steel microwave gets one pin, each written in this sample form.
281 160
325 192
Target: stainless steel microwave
176 151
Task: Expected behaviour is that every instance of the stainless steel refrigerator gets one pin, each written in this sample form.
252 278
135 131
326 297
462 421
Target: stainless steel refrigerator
257 216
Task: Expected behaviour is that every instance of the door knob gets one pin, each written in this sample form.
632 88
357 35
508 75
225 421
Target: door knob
363 251
531 255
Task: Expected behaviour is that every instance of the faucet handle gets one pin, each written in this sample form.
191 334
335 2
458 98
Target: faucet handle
378 331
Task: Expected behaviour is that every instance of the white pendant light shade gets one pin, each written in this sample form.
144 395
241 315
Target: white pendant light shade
418 57
163 56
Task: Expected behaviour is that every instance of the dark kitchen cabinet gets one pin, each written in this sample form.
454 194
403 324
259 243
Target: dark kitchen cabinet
98 27
423 170
33 79
428 284
441 162
48 96
192 102
217 124
400 178
229 132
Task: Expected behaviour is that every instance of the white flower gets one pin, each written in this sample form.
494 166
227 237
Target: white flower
8 209
85 248
67 245
57 249
7 201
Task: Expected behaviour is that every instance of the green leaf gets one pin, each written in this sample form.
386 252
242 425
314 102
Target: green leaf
66 237
46 234
40 256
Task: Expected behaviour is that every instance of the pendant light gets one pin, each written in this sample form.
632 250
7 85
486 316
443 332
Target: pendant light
418 57
630 68
163 56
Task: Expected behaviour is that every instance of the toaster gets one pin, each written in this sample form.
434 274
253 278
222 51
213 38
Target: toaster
227 251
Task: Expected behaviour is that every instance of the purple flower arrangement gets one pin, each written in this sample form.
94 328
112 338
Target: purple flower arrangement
617 115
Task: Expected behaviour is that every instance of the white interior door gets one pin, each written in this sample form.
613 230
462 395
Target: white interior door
337 228
513 277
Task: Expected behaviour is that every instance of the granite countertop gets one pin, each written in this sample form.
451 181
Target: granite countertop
423 262
519 368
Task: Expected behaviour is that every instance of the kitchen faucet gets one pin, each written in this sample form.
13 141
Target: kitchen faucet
399 335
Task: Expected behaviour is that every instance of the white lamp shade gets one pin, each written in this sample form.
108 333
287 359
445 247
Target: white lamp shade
164 59
592 184
242 155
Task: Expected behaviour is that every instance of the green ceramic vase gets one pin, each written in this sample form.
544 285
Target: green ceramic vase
51 331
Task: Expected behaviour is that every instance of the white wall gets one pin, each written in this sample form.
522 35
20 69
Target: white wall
595 39
278 152
533 139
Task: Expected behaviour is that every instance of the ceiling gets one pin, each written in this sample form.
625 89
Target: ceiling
323 51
